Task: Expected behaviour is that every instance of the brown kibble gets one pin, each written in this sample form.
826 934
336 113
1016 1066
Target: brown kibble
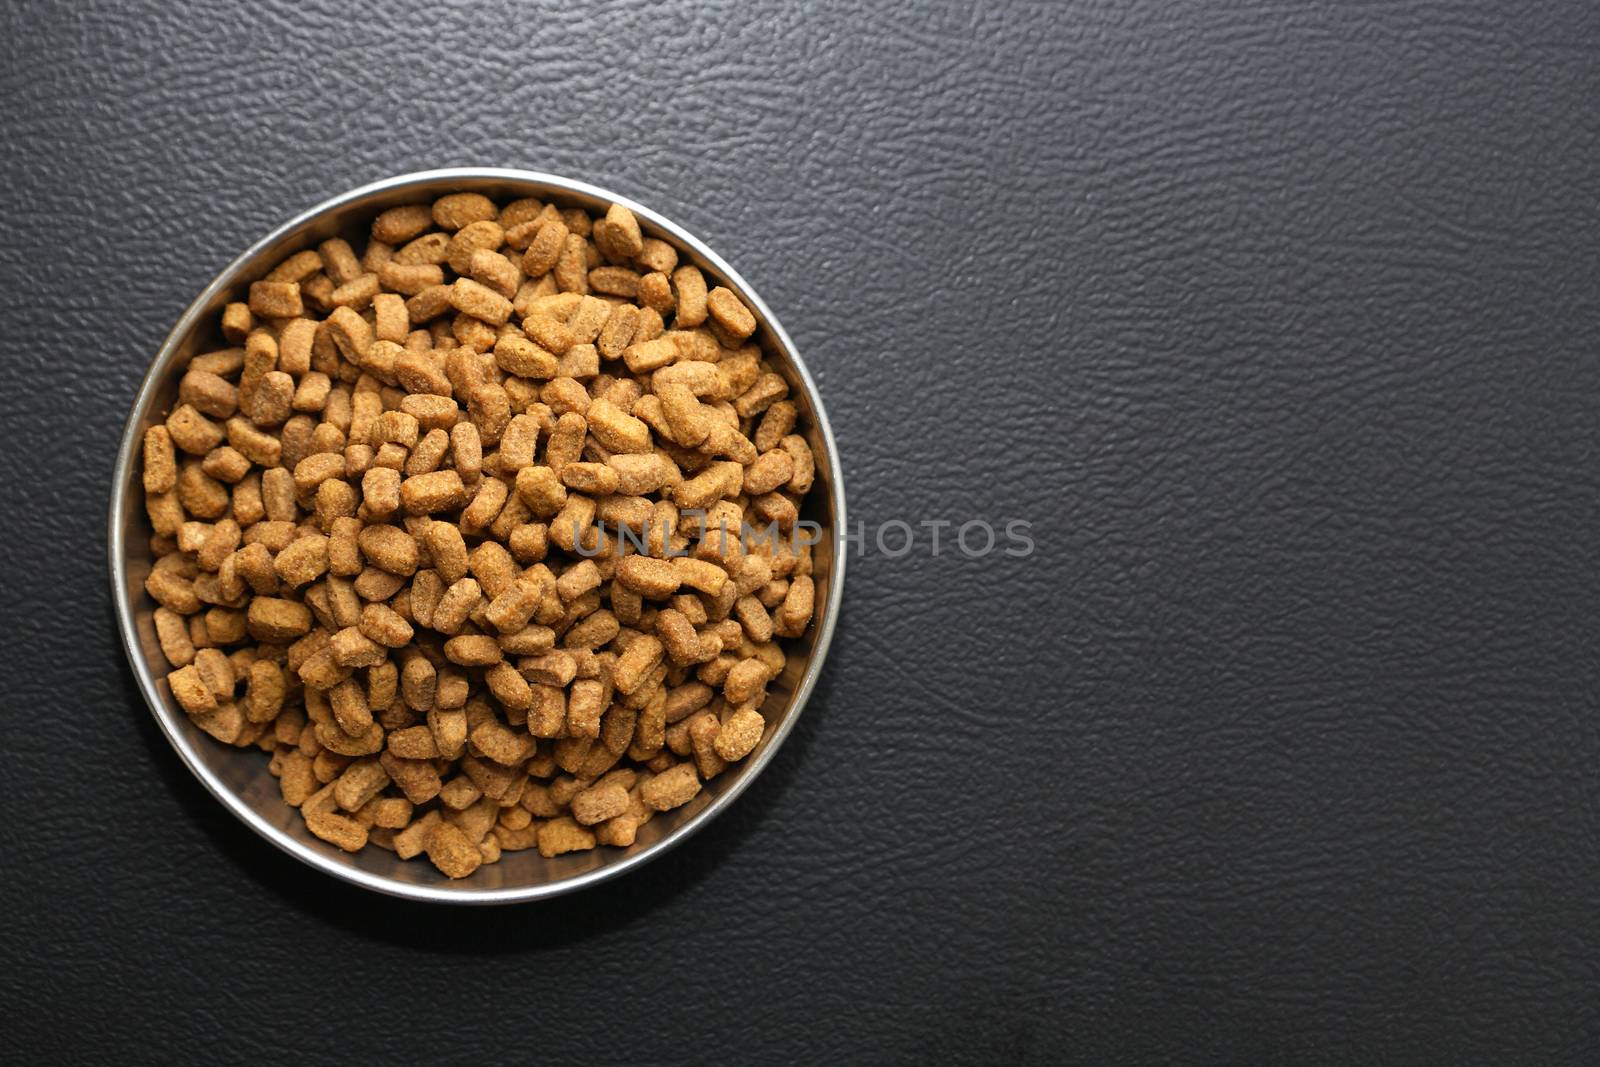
616 429
585 705
541 489
740 734
451 851
794 614
296 779
510 611
479 301
458 210
617 332
549 333
208 393
766 390
498 743
655 292
690 287
641 656
274 619
192 431
339 830
619 832
449 727
398 225
457 602
472 650
563 835
304 561
703 731
653 578
572 267
768 472
436 491
745 682
160 461
352 648
689 421
599 803
517 355
545 249
190 690
390 549
361 782
702 574
385 626
413 742
729 312
623 230
275 300
672 788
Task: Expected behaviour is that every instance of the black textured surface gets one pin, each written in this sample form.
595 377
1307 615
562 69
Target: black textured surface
1277 322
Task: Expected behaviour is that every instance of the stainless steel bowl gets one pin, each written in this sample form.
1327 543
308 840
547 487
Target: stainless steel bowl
239 777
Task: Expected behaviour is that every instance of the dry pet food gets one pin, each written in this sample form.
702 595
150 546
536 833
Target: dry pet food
486 532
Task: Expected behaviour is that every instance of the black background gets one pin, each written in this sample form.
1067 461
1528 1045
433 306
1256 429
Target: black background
1278 322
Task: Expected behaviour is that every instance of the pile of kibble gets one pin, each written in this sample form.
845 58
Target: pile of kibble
487 533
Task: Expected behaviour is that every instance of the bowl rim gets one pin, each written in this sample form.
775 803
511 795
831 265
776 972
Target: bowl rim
123 597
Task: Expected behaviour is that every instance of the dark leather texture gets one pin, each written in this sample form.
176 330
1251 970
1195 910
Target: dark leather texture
1277 322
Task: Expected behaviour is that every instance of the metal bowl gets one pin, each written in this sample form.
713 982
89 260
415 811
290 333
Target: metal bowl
239 777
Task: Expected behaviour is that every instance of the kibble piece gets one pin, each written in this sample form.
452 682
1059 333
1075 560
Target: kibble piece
427 494
690 286
633 667
275 300
339 830
458 210
585 704
192 431
701 574
190 690
472 650
352 648
768 472
385 626
389 548
510 611
655 293
794 614
302 562
360 783
296 780
745 682
599 803
479 301
729 312
160 461
451 851
398 225
740 734
616 429
623 231
703 730
517 355
275 619
672 788
563 835
545 248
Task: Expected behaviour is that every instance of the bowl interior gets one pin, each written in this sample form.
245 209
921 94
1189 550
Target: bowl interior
239 777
